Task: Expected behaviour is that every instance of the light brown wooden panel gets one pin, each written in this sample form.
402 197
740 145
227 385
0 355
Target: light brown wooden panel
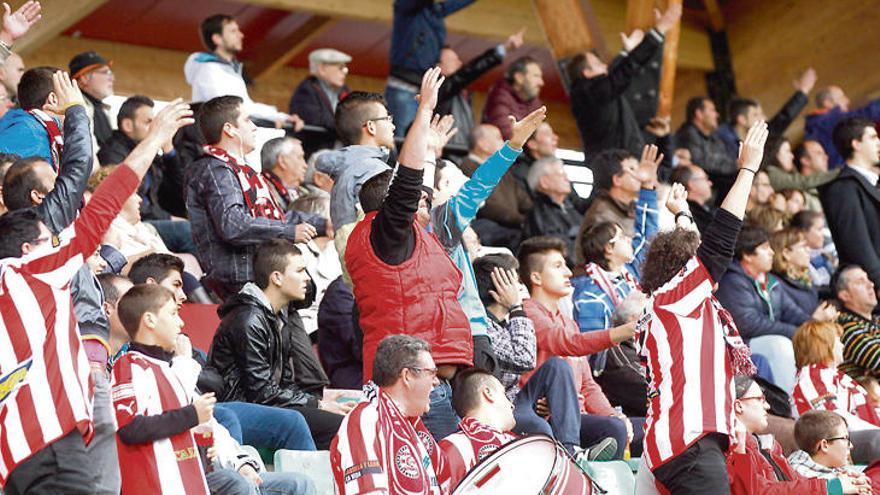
272 58
569 26
58 15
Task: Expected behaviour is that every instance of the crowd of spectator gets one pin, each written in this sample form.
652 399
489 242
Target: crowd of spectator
708 308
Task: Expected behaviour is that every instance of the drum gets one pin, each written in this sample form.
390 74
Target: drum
535 464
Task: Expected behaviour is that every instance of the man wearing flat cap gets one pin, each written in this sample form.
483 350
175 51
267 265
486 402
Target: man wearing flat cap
315 99
95 78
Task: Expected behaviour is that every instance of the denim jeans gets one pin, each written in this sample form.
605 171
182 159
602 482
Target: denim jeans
780 354
229 482
265 427
552 380
441 419
402 105
176 234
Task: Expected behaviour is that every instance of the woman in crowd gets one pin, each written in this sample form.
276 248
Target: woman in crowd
781 170
823 256
791 265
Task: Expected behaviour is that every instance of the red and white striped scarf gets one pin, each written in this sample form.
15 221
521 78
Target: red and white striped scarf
56 137
256 193
602 278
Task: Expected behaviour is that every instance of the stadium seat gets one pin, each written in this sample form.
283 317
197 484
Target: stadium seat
314 464
200 322
613 476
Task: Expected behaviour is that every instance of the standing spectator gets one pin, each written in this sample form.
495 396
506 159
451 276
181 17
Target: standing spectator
418 33
604 115
316 97
34 129
852 201
217 72
810 157
10 74
231 208
284 169
454 98
791 266
832 107
699 193
95 78
779 163
707 149
518 94
861 330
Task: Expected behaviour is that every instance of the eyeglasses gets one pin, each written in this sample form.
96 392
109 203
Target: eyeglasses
848 441
389 118
758 398
432 371
103 72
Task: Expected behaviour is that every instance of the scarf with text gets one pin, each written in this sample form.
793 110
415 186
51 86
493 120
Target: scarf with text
56 137
256 193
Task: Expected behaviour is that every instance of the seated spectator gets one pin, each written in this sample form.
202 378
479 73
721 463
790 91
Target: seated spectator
761 192
795 201
162 190
283 167
543 270
779 162
114 287
620 180
257 359
316 97
95 78
707 149
791 266
408 460
699 193
756 466
623 380
821 385
217 73
34 128
823 259
517 94
823 439
339 341
768 217
832 107
231 208
553 213
763 311
454 99
604 114
861 331
6 161
483 141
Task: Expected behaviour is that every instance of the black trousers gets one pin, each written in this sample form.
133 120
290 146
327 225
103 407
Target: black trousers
60 467
701 469
322 424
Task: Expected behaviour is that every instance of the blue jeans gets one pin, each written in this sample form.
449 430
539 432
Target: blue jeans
176 234
595 428
780 355
441 419
552 380
229 482
402 105
265 427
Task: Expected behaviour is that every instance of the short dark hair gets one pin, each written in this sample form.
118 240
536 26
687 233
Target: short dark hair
575 67
606 165
518 66
19 181
667 255
592 240
467 389
215 113
771 149
140 299
18 227
814 426
374 190
156 266
351 114
846 131
483 268
394 354
681 175
109 287
131 105
742 384
532 253
740 106
35 86
839 281
800 151
694 104
272 256
750 237
211 26
803 220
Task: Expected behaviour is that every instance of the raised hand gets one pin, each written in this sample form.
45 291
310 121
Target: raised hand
633 40
667 20
16 24
751 150
431 82
651 159
515 40
165 124
676 202
523 130
204 405
805 82
66 91
440 131
506 291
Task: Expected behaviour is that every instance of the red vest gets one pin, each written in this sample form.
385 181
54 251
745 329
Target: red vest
418 297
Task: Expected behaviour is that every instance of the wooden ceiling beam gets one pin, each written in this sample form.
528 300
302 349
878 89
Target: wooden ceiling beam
272 57
570 27
58 15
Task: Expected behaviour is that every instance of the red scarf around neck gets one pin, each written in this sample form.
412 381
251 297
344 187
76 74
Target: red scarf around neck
256 193
602 279
56 138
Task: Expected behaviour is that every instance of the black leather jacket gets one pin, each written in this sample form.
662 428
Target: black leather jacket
262 356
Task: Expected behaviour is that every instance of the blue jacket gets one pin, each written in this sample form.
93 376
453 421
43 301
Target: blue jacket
755 316
418 33
805 296
592 307
820 125
453 217
21 133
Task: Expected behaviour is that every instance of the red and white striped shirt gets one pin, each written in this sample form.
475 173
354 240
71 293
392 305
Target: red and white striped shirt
377 448
691 389
142 385
45 387
468 447
826 388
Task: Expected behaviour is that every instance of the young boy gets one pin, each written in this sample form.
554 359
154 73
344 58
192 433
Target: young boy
154 416
823 439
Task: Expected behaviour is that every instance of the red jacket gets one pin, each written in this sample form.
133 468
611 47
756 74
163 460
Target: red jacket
418 297
752 474
503 101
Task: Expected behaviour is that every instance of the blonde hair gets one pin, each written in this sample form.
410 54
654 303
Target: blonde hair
98 177
782 241
814 342
766 217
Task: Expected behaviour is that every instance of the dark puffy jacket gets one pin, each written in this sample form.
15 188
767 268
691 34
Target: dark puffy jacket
418 33
255 351
753 316
801 293
312 105
339 341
